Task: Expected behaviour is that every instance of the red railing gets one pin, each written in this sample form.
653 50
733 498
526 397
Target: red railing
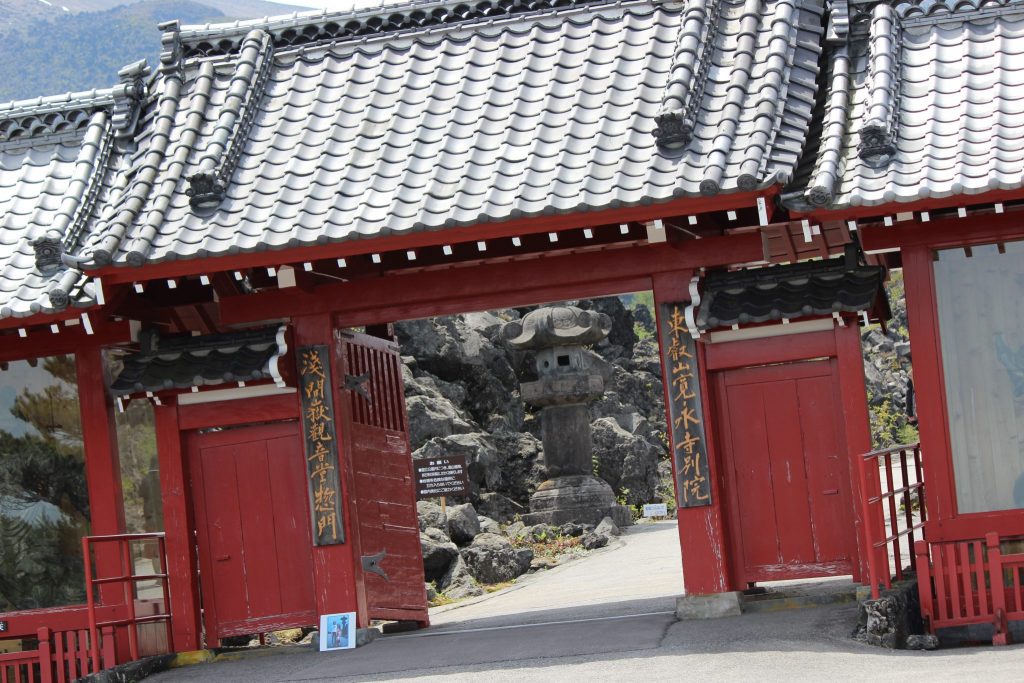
61 657
892 485
971 582
129 580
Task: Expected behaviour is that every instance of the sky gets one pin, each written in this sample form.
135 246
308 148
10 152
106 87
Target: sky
338 4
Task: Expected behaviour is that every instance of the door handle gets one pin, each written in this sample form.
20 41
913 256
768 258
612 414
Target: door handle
830 492
222 558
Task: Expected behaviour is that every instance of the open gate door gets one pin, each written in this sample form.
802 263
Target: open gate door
390 582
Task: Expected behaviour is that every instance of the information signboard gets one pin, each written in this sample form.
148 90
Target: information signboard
444 476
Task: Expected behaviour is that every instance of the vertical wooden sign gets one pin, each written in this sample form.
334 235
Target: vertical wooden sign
689 447
319 434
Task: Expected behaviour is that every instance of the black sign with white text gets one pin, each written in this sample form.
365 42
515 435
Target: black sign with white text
445 476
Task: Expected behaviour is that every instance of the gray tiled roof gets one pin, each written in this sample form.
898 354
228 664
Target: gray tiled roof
46 189
923 101
186 361
789 292
548 111
57 156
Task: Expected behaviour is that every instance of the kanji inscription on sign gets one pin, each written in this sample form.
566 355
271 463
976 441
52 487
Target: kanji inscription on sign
443 476
320 435
689 446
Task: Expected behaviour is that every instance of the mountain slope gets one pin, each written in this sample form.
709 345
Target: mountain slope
46 49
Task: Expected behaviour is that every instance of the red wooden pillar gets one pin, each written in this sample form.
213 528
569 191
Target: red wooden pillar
182 570
102 464
334 566
853 392
701 529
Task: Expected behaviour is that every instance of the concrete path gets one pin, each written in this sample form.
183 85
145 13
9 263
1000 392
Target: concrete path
642 572
609 618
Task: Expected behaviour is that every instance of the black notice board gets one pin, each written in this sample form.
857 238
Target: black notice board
320 437
686 428
444 476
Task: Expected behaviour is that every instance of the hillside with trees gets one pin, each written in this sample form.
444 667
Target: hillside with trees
45 50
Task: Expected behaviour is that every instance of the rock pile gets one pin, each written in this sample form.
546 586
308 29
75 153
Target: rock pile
462 393
463 550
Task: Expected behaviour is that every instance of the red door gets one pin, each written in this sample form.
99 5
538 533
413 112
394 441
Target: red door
786 471
390 584
252 526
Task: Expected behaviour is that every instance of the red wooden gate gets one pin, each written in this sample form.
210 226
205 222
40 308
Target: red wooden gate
786 470
375 435
252 522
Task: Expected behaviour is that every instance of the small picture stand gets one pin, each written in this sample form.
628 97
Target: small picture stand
337 631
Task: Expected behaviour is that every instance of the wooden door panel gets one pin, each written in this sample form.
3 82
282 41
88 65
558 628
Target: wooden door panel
259 549
380 461
750 473
291 532
253 529
788 473
222 532
828 482
789 501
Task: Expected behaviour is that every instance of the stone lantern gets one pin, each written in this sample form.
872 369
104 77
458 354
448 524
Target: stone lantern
566 383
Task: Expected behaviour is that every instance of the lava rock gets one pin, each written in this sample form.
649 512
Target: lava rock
437 556
608 528
488 525
626 457
593 540
492 559
572 529
515 530
431 516
431 592
463 523
498 507
458 582
926 641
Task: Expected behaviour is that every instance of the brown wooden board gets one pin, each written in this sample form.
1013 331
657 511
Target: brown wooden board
320 437
379 465
444 476
689 445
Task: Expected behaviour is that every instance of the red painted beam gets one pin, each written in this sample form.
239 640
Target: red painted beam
945 232
40 319
420 239
891 209
492 285
43 342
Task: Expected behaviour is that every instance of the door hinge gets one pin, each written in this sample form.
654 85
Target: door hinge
357 383
371 563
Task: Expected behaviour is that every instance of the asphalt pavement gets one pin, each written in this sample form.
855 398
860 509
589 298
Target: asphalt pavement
609 618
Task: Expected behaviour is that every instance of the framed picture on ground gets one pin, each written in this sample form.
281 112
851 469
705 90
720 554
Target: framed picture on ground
337 631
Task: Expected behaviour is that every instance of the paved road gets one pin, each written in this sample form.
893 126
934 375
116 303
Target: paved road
609 619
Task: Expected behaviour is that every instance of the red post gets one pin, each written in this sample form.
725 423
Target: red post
924 583
1001 634
181 570
45 656
334 566
102 463
865 516
90 598
702 539
129 598
856 427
